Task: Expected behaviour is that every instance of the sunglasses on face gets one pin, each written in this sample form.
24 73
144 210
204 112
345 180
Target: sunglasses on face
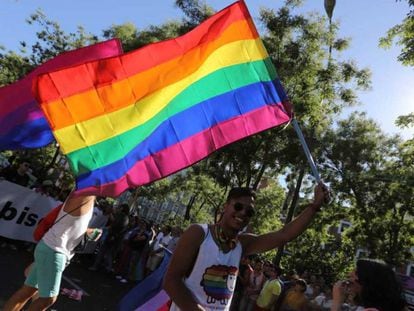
247 208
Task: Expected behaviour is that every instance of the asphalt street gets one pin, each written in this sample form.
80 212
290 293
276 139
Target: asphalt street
101 290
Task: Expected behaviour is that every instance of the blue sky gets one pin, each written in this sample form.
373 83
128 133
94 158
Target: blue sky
365 21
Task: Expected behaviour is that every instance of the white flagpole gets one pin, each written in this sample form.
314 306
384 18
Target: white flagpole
298 131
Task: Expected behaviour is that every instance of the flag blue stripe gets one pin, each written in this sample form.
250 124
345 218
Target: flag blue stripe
188 123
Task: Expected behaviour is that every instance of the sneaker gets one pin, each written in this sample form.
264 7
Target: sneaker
13 247
123 281
118 277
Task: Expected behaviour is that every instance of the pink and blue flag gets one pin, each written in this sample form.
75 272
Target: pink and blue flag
23 124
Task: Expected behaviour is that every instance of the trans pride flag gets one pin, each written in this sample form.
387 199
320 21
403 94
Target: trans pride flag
135 118
23 124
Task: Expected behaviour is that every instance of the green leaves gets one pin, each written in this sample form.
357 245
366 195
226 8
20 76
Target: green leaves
403 35
371 171
371 174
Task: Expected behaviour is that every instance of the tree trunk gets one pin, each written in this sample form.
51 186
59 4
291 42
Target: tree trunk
189 206
290 214
287 199
259 177
52 163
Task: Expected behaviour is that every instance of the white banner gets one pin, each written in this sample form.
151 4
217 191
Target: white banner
21 209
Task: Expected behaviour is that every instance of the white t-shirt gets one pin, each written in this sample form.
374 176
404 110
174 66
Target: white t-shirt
67 233
213 277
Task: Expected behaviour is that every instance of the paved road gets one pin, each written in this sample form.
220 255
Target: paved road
103 290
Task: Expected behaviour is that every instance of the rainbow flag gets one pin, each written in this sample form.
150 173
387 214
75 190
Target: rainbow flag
23 124
128 120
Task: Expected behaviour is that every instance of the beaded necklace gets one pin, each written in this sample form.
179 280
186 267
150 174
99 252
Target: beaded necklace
223 239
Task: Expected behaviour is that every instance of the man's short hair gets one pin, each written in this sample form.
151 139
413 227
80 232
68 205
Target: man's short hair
239 192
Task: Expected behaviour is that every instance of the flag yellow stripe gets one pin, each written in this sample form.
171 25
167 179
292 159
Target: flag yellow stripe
113 93
98 129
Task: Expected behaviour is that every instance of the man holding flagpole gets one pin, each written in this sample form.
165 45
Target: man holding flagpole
204 267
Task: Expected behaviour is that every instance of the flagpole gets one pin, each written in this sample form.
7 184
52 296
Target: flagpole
312 165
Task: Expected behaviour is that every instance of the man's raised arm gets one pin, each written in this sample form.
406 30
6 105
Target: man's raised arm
253 244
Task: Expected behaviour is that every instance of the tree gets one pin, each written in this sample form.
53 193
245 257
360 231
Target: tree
320 85
371 174
405 121
268 202
403 34
52 40
12 67
295 44
131 38
296 47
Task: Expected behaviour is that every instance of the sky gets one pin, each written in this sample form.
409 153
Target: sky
364 21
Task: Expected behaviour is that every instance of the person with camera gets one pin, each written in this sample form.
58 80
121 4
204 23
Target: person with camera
373 286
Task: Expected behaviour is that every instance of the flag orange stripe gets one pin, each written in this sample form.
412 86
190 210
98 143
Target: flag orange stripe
120 94
72 80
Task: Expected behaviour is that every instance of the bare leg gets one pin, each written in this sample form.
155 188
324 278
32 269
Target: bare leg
42 303
19 298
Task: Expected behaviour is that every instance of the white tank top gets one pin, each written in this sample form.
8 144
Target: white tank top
66 234
213 278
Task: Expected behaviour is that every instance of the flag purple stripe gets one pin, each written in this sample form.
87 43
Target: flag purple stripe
38 130
24 113
171 159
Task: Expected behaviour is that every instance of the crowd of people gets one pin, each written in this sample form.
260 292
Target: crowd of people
264 286
213 267
131 247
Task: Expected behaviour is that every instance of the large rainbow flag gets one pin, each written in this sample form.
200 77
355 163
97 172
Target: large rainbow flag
135 118
23 124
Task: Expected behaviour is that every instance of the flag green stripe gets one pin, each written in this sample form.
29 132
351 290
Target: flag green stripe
218 82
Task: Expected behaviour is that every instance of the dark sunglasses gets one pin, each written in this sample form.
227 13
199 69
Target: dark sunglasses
248 209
